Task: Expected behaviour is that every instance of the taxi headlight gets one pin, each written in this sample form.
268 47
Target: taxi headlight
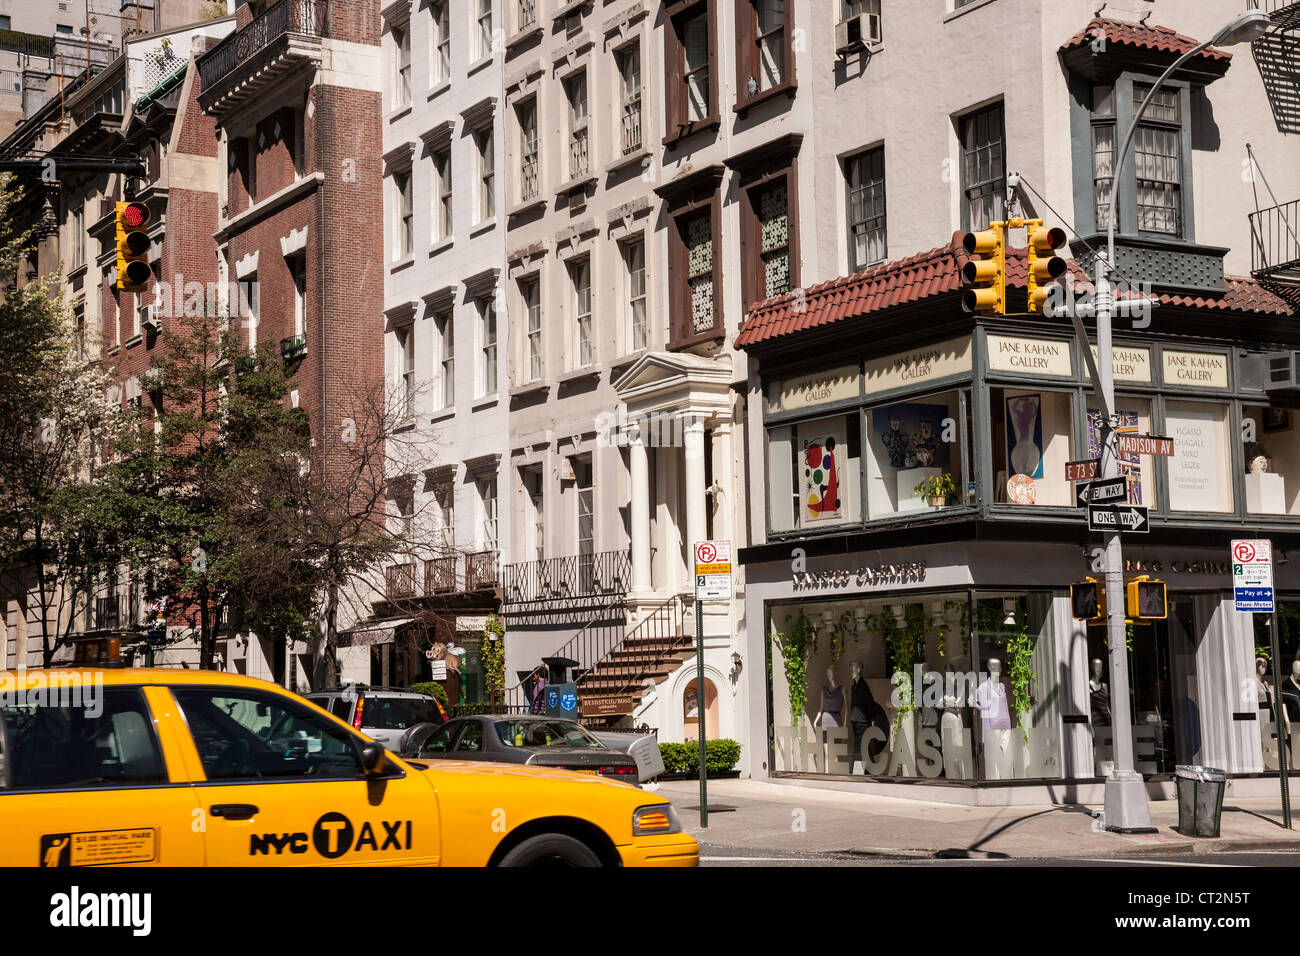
655 820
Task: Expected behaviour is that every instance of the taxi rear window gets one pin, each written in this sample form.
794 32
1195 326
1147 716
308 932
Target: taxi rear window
58 740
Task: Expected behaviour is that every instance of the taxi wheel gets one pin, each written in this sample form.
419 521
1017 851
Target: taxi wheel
551 849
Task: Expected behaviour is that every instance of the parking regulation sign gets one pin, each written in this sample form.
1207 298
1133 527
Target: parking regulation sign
1252 575
713 571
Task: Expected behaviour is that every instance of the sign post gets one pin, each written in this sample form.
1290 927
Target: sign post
1252 591
712 583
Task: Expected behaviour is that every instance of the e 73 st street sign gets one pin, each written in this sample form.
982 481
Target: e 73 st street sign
1102 492
1131 518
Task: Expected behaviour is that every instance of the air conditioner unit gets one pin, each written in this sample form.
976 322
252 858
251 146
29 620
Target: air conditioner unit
856 33
152 319
1281 371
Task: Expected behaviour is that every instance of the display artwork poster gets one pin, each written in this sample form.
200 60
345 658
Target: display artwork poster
910 435
1024 436
822 489
1130 463
1196 470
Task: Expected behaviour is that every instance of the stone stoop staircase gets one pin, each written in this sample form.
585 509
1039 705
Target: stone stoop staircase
611 688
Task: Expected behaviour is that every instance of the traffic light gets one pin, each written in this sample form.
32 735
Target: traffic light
1045 266
133 272
1146 600
986 279
1088 600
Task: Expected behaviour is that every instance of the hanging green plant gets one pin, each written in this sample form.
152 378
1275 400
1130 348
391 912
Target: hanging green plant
1020 654
904 645
796 648
492 657
843 626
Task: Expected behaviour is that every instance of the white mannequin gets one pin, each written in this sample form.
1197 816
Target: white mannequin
955 741
995 721
1095 683
831 713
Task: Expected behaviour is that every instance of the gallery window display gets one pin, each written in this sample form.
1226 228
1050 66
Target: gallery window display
1133 418
815 473
1200 471
1033 438
916 688
1266 698
914 455
1271 460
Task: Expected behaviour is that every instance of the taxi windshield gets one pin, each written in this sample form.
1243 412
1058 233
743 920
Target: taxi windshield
545 733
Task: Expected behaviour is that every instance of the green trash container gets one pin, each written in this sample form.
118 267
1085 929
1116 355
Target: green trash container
1200 800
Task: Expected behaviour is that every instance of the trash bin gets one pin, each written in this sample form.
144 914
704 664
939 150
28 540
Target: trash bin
1200 800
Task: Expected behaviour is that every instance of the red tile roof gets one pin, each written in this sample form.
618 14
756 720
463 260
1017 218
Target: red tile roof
938 273
1149 37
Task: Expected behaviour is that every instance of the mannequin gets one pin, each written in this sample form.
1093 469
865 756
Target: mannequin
1099 696
955 742
831 713
864 712
1263 692
995 721
1291 692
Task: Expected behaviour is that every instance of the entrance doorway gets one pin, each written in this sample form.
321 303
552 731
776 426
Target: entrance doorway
1163 701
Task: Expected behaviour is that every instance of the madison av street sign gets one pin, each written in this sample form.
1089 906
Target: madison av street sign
1145 445
1103 492
1130 518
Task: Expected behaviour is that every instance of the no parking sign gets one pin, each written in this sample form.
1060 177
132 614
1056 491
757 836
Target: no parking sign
1252 575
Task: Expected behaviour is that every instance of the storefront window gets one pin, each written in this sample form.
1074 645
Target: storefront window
1271 460
914 456
1134 416
1017 690
1033 438
815 473
1200 471
1288 616
874 688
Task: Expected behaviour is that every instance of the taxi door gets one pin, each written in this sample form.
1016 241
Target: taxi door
92 777
282 785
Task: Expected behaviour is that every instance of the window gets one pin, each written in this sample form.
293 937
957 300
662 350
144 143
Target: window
440 71
470 739
447 334
405 237
488 317
79 329
484 28
1200 471
698 241
247 735
399 713
629 73
141 313
585 526
1157 153
406 368
486 175
772 208
576 91
856 8
1271 433
442 167
866 181
440 740
251 302
78 237
762 57
534 523
298 271
690 66
405 522
580 274
530 293
402 49
444 497
529 186
63 29
527 13
983 167
699 100
634 262
5 23
79 747
487 489
1103 151
1033 438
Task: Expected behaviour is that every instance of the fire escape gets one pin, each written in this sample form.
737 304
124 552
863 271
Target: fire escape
1275 230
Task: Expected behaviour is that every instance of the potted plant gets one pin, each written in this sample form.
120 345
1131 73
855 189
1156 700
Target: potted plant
937 489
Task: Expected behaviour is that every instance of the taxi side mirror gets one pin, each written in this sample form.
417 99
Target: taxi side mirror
373 759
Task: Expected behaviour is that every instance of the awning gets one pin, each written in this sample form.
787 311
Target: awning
372 632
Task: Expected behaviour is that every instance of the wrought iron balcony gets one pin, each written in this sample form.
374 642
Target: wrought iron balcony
580 575
481 570
578 160
631 127
302 17
1275 242
440 575
399 581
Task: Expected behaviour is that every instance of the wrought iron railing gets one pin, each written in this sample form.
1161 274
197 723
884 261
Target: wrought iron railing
480 570
399 581
624 668
578 164
631 126
578 575
593 641
1275 239
308 17
440 575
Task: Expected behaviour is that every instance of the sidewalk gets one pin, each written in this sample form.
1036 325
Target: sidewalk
771 816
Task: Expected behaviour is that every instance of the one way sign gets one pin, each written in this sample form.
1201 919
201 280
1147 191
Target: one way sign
1103 492
1131 518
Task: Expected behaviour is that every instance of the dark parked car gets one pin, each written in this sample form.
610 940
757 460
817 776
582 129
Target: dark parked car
539 741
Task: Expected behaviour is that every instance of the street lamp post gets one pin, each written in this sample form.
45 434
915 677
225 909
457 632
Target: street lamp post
1126 800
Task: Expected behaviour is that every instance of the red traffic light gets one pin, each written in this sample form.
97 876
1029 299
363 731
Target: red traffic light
135 215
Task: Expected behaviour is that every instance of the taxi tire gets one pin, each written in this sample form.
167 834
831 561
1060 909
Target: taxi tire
551 849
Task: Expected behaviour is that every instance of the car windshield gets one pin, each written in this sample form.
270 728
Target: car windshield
545 733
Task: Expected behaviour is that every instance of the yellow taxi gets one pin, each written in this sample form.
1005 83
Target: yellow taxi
125 766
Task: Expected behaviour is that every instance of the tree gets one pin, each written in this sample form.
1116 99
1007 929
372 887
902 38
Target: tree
55 416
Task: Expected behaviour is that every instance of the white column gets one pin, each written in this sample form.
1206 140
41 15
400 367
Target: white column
694 491
639 472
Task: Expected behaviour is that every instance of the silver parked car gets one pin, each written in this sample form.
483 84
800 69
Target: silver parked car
390 715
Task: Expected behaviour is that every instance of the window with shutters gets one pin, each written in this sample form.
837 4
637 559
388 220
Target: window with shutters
764 51
694 287
699 271
768 220
690 67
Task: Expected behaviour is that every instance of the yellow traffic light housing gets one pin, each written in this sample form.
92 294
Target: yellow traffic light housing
986 278
1088 600
1045 266
1146 600
133 271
